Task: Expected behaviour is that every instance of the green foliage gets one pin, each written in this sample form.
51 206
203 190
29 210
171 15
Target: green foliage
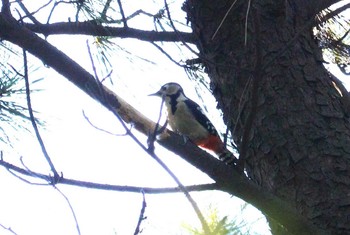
14 115
220 225
98 10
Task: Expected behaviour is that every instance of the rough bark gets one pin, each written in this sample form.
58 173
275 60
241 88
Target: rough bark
297 145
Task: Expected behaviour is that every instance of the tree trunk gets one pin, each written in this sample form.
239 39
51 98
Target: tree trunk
279 102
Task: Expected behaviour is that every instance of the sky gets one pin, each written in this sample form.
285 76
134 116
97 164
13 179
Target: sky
80 151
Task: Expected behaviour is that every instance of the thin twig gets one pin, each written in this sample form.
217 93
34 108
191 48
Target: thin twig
56 176
71 209
56 4
105 9
27 181
178 34
254 96
100 129
9 229
157 130
41 7
241 103
142 215
223 19
246 24
122 13
167 55
92 61
27 13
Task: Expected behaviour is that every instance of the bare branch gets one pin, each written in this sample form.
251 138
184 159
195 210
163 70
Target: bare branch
71 209
183 40
32 118
35 127
332 14
142 214
105 9
27 13
94 29
223 19
167 55
109 187
8 229
100 129
122 13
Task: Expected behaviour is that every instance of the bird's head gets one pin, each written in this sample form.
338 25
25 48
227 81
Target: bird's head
168 89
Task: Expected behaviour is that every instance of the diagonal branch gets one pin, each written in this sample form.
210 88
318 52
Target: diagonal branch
333 13
94 29
228 179
35 127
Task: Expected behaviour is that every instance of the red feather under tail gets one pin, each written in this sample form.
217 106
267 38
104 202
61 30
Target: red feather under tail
215 144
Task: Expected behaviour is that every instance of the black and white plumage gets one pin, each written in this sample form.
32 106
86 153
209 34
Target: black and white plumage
187 118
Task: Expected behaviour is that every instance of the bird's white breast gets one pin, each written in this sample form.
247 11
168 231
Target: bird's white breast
183 122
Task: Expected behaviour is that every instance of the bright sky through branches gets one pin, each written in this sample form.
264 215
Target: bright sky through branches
83 152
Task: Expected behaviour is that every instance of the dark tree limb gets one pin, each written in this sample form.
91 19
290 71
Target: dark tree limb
333 13
323 4
94 29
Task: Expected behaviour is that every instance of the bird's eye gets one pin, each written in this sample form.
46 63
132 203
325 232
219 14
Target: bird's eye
163 88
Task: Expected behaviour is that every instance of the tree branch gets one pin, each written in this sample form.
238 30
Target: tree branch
35 127
333 14
323 4
225 176
8 229
5 9
109 187
122 13
142 215
94 29
71 209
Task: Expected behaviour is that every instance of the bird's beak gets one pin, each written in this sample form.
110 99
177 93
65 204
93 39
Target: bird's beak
158 93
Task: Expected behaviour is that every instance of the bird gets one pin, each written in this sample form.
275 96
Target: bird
187 118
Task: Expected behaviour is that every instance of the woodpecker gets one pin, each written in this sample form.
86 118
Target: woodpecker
188 119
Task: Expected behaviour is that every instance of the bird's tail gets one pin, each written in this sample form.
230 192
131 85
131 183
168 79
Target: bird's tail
227 157
215 144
